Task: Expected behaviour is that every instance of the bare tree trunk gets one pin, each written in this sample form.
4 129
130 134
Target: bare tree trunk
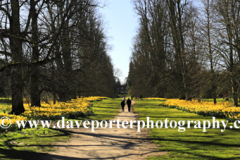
182 50
213 85
16 48
178 43
34 88
231 67
232 78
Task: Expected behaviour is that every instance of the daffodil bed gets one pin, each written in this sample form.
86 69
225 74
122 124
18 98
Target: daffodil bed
220 110
79 107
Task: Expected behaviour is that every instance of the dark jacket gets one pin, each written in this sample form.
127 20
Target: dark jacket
123 103
129 102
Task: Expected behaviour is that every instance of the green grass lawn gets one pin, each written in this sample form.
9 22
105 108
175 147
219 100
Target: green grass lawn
193 143
27 142
106 109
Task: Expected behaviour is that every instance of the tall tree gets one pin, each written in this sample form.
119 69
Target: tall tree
16 49
229 19
35 92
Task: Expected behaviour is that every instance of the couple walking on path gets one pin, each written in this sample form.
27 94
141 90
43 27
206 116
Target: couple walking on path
129 102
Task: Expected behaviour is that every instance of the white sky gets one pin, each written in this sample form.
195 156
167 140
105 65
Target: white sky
121 23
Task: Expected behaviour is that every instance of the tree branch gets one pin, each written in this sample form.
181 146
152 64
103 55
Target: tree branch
6 53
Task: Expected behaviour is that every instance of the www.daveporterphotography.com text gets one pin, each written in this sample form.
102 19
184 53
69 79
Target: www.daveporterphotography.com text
181 125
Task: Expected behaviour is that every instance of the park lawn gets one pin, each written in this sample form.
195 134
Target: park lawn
106 109
193 143
29 142
25 143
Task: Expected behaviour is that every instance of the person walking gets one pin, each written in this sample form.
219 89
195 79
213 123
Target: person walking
129 104
123 104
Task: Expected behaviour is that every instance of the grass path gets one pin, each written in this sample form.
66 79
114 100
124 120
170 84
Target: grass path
109 143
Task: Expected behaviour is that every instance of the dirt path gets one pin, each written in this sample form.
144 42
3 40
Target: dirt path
109 143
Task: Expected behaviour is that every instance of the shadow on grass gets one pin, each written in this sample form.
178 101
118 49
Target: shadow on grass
205 156
14 151
26 155
180 146
29 155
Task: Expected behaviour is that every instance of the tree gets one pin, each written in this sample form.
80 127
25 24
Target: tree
229 20
16 50
208 31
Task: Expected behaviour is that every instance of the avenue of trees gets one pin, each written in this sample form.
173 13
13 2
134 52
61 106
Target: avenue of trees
186 49
55 48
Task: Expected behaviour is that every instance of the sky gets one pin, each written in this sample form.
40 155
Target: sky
121 25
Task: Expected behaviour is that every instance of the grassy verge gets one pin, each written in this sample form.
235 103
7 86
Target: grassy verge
105 109
28 142
193 143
